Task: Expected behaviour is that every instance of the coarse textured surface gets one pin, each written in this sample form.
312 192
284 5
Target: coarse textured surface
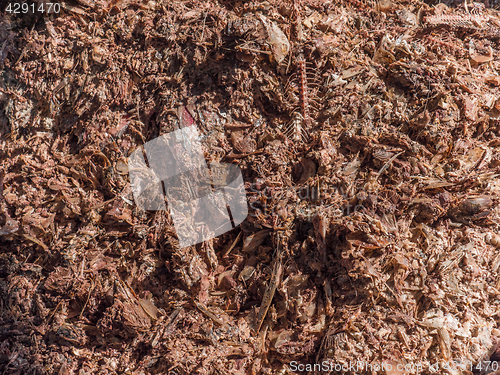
367 134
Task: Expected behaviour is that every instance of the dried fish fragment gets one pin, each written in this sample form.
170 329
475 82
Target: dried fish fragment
277 40
472 209
377 206
11 226
253 241
456 20
296 129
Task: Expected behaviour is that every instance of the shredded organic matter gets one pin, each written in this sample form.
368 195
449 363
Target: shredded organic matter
367 134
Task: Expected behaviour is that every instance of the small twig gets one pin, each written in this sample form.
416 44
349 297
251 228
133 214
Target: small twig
203 27
269 294
233 244
208 313
243 48
87 301
386 165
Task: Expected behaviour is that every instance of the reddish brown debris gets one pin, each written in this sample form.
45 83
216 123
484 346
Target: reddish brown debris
367 134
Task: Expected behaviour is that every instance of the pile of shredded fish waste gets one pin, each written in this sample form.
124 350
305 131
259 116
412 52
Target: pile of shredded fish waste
367 134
